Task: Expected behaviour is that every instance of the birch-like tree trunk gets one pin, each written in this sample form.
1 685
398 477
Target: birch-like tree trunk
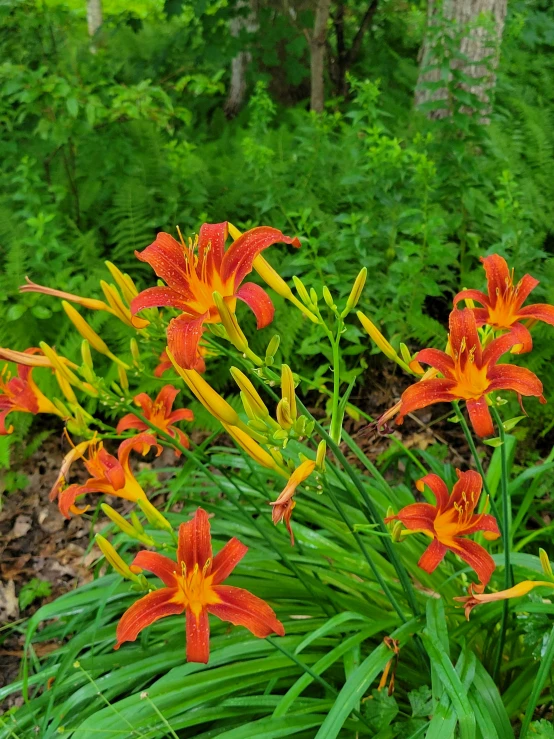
240 63
94 16
482 24
317 55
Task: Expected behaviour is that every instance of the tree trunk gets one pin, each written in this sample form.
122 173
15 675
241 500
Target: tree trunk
239 64
94 16
458 22
317 52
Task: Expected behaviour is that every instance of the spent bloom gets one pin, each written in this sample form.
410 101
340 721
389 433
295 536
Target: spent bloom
193 585
21 393
159 412
108 474
469 373
503 305
450 519
285 503
517 591
194 272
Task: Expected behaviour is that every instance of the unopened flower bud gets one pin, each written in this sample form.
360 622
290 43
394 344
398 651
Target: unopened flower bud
258 407
328 298
135 351
545 563
356 292
405 352
119 565
86 355
271 350
124 525
229 321
301 290
123 380
320 456
153 515
88 333
287 389
284 418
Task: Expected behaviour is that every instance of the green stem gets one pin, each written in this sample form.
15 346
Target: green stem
371 563
374 515
336 416
507 538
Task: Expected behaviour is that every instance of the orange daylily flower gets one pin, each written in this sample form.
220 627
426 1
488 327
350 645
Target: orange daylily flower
193 586
469 373
284 505
451 519
22 394
194 272
108 474
517 591
160 413
502 307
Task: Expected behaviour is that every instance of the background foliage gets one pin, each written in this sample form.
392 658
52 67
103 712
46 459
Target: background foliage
102 150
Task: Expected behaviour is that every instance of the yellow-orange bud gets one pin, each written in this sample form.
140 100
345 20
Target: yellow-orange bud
252 448
377 336
255 402
356 291
229 321
88 333
210 399
119 565
287 389
125 526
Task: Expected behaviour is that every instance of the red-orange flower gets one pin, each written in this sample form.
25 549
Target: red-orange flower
193 586
469 374
21 394
450 519
502 307
192 274
160 413
108 474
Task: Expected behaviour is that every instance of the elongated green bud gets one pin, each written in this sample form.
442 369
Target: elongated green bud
123 380
153 515
287 389
356 292
119 565
124 525
320 456
545 563
328 298
255 402
271 350
405 352
284 418
301 290
229 321
135 351
86 355
136 522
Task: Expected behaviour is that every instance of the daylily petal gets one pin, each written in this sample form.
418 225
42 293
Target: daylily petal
424 393
432 556
195 542
163 567
158 297
480 417
227 559
183 336
258 301
146 611
437 487
437 359
198 636
140 443
484 522
182 414
481 316
524 338
539 311
130 421
477 295
67 497
524 287
463 334
519 379
476 557
166 397
242 608
418 516
167 258
498 276
145 402
467 488
181 437
500 346
112 469
3 429
238 258
211 238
